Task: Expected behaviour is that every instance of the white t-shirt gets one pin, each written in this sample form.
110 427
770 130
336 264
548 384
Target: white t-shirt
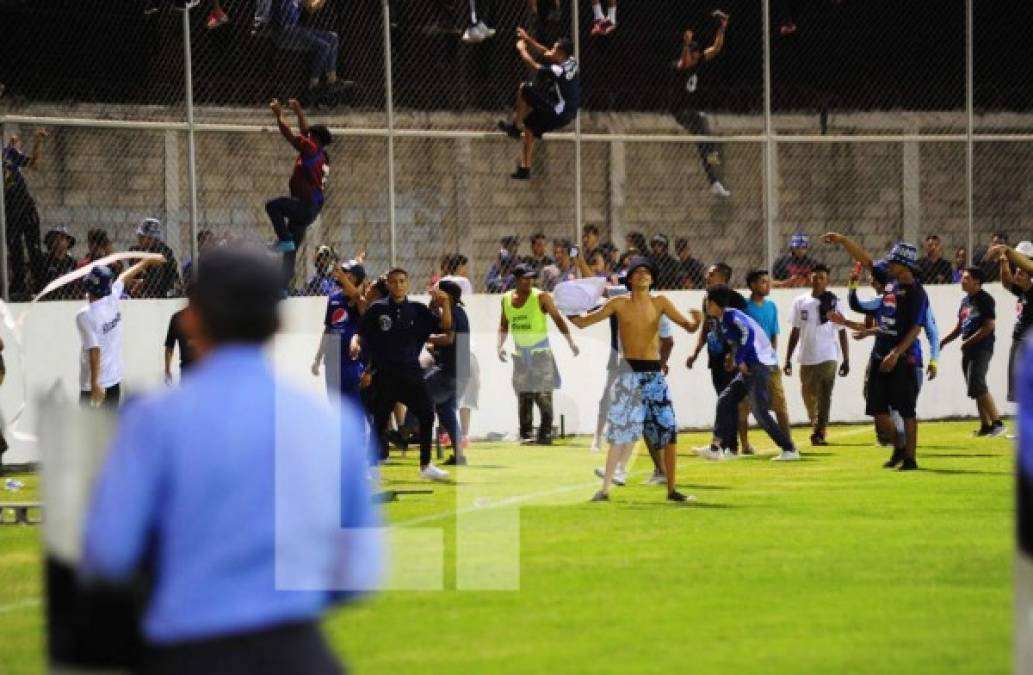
819 342
100 325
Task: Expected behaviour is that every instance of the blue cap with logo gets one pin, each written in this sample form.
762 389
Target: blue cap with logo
354 268
98 281
904 253
799 240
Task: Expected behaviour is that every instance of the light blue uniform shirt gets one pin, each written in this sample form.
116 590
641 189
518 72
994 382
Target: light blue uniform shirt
236 486
766 316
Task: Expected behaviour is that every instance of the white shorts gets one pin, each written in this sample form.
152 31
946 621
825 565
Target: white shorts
471 392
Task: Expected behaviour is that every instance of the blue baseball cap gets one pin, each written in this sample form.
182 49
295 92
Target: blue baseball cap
98 281
634 264
904 253
799 240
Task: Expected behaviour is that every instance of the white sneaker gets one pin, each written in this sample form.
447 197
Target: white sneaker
997 430
474 34
787 456
656 479
727 455
619 477
720 190
487 31
703 451
714 454
431 472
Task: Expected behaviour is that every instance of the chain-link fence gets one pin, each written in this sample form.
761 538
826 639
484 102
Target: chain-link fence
706 133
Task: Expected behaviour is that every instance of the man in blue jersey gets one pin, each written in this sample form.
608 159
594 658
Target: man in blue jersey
548 102
753 358
892 380
340 342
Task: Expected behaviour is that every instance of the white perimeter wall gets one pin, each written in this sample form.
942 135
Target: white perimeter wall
49 357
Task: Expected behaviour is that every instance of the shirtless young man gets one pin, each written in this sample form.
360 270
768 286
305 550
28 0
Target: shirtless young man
641 400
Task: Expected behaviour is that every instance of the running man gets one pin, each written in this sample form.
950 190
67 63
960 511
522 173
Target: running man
641 399
534 369
547 103
687 106
753 358
291 216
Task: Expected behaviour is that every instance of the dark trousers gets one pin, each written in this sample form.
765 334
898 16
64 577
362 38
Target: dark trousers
696 122
755 385
290 218
112 397
409 389
293 648
526 403
22 238
720 378
448 418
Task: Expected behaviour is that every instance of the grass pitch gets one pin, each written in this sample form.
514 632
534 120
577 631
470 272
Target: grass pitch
832 564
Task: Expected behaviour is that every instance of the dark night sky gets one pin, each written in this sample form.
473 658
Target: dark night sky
851 54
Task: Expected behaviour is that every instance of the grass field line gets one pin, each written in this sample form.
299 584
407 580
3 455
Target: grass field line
21 604
518 499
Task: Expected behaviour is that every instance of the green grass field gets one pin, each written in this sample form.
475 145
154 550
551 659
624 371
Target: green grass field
832 564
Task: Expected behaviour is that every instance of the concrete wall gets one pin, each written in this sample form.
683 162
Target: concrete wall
47 352
455 195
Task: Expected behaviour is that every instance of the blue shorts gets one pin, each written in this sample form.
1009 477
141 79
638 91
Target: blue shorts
640 405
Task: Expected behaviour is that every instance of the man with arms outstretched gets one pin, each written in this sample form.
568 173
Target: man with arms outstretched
641 400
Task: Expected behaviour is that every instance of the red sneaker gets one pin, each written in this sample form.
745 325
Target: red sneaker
216 18
599 27
787 28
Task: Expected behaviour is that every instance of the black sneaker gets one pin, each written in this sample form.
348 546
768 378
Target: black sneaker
676 497
600 497
908 465
818 439
397 439
896 458
454 461
984 430
522 173
997 429
542 441
509 129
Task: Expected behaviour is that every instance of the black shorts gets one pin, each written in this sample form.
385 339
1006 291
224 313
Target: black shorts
543 117
974 366
897 389
1014 355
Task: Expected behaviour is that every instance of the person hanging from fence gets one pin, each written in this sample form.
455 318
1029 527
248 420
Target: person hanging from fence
547 103
535 375
291 35
291 216
477 31
692 64
603 24
23 237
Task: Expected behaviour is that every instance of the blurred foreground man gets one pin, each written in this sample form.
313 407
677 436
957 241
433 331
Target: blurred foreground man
236 495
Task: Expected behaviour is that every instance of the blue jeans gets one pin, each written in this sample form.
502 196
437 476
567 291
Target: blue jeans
755 385
290 218
303 39
448 418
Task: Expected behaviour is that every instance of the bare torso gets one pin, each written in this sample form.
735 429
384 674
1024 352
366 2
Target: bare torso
638 320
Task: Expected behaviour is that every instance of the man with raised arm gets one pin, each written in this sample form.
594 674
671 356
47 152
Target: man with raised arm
641 402
548 102
892 380
291 216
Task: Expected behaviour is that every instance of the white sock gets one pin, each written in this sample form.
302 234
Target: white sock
597 11
473 12
611 14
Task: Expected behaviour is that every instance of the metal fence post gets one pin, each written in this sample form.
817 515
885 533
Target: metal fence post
3 224
768 177
389 92
970 121
191 145
574 19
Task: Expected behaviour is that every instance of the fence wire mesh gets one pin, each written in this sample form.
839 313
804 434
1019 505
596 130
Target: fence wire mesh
838 67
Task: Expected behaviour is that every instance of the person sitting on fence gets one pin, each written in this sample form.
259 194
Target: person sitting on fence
547 103
291 35
22 215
